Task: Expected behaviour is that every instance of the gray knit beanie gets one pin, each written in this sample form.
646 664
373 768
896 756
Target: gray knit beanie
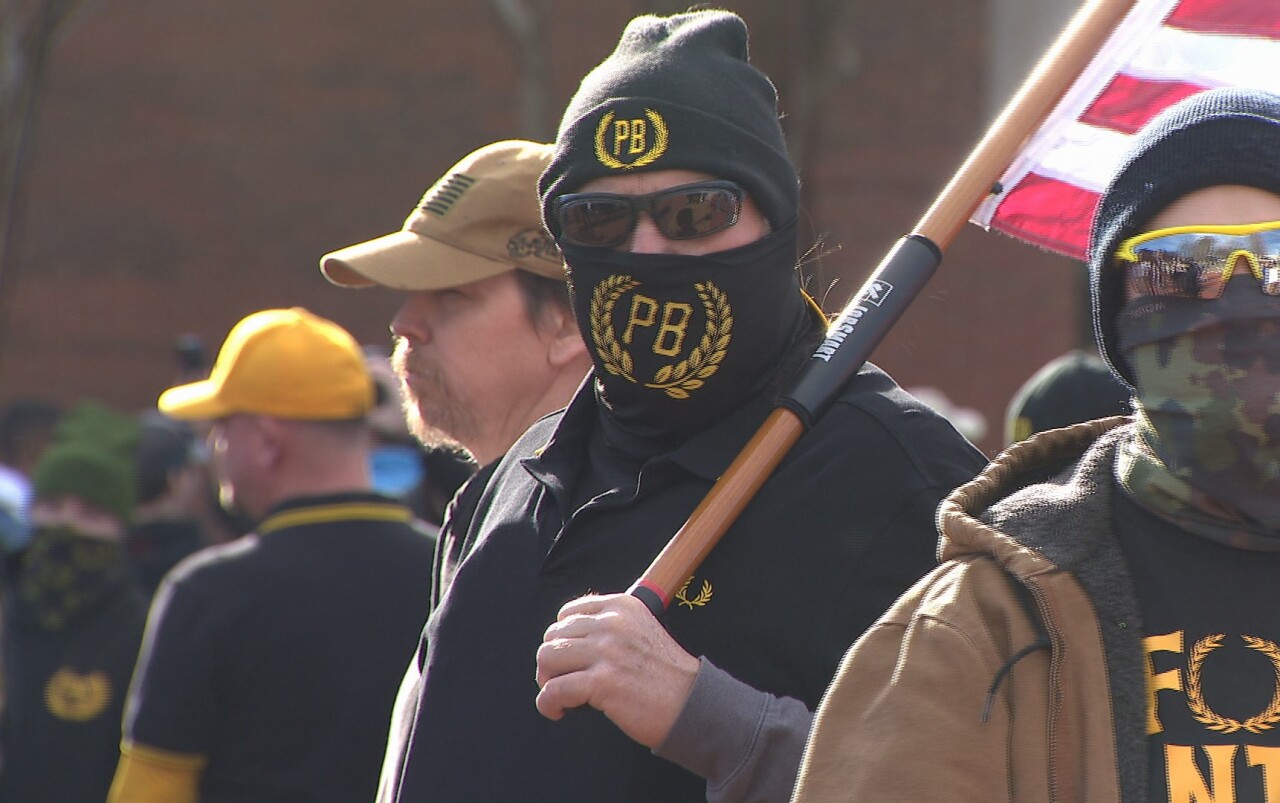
1221 136
677 93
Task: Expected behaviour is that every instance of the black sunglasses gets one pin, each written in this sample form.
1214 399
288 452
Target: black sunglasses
606 220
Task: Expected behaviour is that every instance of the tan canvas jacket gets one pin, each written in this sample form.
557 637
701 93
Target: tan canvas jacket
989 680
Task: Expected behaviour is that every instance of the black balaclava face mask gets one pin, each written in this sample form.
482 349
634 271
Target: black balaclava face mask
678 341
66 574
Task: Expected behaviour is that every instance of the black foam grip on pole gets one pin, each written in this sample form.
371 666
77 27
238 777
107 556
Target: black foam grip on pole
651 599
865 321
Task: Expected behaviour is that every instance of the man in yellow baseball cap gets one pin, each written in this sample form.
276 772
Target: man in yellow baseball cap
268 657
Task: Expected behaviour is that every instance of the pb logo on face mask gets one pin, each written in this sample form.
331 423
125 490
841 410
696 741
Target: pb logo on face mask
626 143
655 335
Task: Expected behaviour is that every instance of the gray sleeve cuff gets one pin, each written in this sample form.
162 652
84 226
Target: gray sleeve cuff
746 743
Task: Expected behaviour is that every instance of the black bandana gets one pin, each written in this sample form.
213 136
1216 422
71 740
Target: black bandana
64 574
679 340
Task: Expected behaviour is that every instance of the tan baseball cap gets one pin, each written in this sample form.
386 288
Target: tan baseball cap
287 363
480 219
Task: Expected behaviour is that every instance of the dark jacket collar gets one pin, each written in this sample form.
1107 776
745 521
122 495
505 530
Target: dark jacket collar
705 455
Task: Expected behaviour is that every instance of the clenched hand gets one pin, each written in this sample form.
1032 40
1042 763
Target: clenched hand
610 653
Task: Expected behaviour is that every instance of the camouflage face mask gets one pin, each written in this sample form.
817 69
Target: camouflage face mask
1207 404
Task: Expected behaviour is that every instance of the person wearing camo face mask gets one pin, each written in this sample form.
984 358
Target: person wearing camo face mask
1207 383
675 205
1126 567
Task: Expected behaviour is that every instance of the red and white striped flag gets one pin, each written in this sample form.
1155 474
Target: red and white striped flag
1162 52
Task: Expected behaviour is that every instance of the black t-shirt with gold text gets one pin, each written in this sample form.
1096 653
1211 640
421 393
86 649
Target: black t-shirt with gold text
1212 650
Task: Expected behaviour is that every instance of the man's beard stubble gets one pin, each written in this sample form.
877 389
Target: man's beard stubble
436 416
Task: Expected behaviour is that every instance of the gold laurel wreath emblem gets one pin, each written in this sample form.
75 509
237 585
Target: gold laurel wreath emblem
1200 709
704 595
75 697
615 360
689 374
677 380
659 147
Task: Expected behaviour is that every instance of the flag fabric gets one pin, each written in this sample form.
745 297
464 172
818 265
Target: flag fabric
1162 52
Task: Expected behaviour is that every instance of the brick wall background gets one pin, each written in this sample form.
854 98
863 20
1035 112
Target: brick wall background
192 159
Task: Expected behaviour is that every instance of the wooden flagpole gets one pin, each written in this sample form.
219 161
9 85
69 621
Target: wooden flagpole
881 300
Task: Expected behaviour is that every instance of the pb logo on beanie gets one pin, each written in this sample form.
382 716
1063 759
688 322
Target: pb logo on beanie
630 142
677 92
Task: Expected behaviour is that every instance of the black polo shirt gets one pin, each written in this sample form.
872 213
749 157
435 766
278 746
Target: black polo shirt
275 659
843 526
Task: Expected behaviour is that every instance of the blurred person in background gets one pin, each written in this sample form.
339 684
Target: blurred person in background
424 479
1070 389
270 663
25 429
172 489
72 620
220 524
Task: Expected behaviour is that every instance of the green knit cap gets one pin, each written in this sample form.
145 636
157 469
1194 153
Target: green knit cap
92 457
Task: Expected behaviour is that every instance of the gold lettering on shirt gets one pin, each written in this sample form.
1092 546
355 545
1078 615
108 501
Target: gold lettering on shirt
1164 681
1187 785
1268 758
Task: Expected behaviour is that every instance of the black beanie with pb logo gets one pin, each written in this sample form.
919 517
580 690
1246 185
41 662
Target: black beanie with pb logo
677 92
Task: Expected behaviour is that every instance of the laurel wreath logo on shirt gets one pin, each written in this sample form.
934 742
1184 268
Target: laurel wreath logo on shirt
1200 709
75 697
677 379
701 599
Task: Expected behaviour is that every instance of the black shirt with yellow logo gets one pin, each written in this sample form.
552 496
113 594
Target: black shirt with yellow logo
1212 657
842 527
64 695
272 662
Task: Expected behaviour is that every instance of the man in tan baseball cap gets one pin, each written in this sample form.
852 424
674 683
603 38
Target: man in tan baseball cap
486 341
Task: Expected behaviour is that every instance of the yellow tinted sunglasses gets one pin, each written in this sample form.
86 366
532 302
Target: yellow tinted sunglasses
1197 261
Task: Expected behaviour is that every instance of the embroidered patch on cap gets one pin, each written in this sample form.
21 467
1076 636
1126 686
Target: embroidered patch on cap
627 143
533 243
446 193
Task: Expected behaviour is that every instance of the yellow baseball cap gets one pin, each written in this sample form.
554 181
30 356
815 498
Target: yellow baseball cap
287 363
480 219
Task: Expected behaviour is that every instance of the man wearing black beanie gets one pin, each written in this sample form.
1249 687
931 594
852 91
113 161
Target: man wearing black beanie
1105 617
673 200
